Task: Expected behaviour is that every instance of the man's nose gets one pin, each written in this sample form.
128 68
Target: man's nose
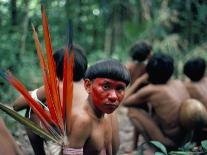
113 96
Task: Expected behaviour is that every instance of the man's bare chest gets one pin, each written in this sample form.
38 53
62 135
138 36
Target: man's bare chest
101 137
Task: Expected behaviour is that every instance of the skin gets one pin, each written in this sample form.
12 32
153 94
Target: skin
36 141
198 90
79 99
92 127
79 96
137 84
165 99
8 145
136 69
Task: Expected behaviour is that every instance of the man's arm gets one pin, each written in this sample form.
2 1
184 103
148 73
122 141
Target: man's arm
136 85
20 103
79 133
7 143
139 97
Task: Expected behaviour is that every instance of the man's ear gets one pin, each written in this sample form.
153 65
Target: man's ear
87 85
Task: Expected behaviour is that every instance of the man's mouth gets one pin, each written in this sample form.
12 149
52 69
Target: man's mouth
112 105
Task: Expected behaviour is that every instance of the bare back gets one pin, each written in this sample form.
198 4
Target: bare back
198 90
136 70
79 93
166 101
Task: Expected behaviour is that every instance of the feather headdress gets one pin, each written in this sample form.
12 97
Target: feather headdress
56 120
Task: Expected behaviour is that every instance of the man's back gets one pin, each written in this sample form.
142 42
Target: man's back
166 100
198 90
136 70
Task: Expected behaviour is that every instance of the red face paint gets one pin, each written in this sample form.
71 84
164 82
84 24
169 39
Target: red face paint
107 94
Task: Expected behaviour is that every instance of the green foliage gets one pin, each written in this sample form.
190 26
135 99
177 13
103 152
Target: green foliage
103 28
188 148
204 145
159 146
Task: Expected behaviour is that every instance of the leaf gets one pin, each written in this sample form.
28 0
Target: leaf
159 153
179 153
204 144
35 128
188 146
159 146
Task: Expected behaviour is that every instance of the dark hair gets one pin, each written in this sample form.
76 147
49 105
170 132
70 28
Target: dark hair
140 51
80 63
195 68
109 68
160 68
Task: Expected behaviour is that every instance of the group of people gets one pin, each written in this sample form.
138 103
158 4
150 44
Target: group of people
154 100
144 86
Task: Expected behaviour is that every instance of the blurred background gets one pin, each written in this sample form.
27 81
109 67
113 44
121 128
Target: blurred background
104 28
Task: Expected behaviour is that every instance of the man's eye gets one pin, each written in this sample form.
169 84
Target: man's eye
120 88
106 86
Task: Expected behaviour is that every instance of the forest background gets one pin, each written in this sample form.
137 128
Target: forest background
104 28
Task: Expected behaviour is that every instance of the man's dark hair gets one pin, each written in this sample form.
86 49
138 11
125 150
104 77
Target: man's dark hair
80 63
160 68
109 68
140 51
195 69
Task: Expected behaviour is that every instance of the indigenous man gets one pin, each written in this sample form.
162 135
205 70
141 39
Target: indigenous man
139 52
92 129
194 69
79 93
164 95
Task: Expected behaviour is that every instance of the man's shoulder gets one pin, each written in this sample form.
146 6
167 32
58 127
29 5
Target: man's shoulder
152 87
176 82
82 117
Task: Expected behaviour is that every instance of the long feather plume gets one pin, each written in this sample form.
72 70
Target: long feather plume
59 116
68 82
41 113
69 90
51 67
48 93
68 79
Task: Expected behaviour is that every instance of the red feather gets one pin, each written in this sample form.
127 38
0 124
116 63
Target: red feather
53 84
38 109
45 77
68 85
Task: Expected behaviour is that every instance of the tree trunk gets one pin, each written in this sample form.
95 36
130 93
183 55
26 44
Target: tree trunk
24 27
146 7
13 12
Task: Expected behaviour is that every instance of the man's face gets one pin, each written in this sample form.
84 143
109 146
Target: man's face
106 94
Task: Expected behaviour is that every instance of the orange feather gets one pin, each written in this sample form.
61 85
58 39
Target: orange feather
68 85
53 84
36 107
50 102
